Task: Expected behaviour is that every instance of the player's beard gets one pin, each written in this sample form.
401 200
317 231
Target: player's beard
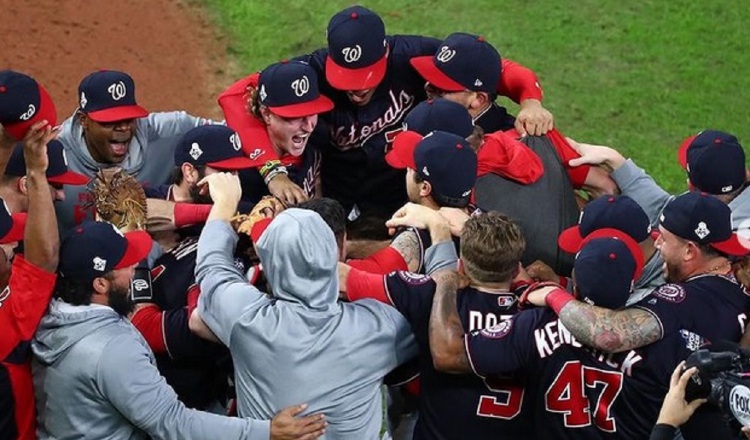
119 300
197 197
673 272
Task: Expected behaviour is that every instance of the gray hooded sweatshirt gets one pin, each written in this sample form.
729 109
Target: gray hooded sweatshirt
95 378
301 345
150 158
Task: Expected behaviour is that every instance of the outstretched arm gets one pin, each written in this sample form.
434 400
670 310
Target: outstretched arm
612 331
445 329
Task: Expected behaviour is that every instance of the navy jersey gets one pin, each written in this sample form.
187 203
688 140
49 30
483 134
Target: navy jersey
495 118
714 306
354 167
305 172
459 406
197 369
579 392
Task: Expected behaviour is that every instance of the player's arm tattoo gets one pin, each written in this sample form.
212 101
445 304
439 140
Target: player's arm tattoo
407 244
612 331
445 329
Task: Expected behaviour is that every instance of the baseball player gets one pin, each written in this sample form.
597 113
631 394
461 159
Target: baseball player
615 212
110 129
27 282
95 374
578 392
276 342
460 406
368 76
13 187
275 113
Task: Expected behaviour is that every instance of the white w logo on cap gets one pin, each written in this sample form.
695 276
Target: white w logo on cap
352 54
446 54
234 139
29 113
301 86
117 90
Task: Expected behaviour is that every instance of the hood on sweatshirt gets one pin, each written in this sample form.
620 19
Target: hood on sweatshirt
300 258
65 324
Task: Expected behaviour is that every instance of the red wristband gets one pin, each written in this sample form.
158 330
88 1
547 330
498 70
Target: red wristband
557 299
563 281
190 213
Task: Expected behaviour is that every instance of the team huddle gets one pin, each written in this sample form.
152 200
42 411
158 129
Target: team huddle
369 246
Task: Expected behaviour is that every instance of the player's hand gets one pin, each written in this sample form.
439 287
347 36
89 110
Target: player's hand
35 146
224 188
286 426
533 119
540 271
417 216
160 215
344 270
596 155
286 190
675 410
456 218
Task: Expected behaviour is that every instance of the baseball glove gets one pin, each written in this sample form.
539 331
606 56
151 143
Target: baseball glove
119 199
267 207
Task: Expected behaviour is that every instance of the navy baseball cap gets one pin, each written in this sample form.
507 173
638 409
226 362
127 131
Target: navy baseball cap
92 249
606 268
217 146
703 219
11 225
57 170
439 114
444 159
463 62
290 90
714 160
23 102
616 212
109 96
357 49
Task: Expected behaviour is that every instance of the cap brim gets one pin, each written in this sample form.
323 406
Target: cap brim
46 111
682 152
570 240
426 67
16 231
363 78
115 114
139 246
235 163
402 154
733 246
69 178
321 104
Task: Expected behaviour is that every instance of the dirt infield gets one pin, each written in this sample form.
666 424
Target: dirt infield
176 57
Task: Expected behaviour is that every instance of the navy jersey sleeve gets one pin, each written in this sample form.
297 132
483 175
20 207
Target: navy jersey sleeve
505 348
413 45
181 343
412 295
666 303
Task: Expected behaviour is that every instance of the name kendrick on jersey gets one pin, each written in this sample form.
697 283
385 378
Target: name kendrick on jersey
554 335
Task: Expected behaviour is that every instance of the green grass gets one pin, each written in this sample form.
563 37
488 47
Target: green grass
637 75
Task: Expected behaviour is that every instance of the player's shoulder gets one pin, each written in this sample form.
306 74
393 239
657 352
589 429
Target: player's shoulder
405 47
408 280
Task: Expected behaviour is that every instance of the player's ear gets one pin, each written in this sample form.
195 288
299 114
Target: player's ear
83 120
425 189
265 114
100 286
189 173
22 186
479 100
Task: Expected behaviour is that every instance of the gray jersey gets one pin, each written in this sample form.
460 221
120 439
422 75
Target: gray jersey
150 158
301 345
